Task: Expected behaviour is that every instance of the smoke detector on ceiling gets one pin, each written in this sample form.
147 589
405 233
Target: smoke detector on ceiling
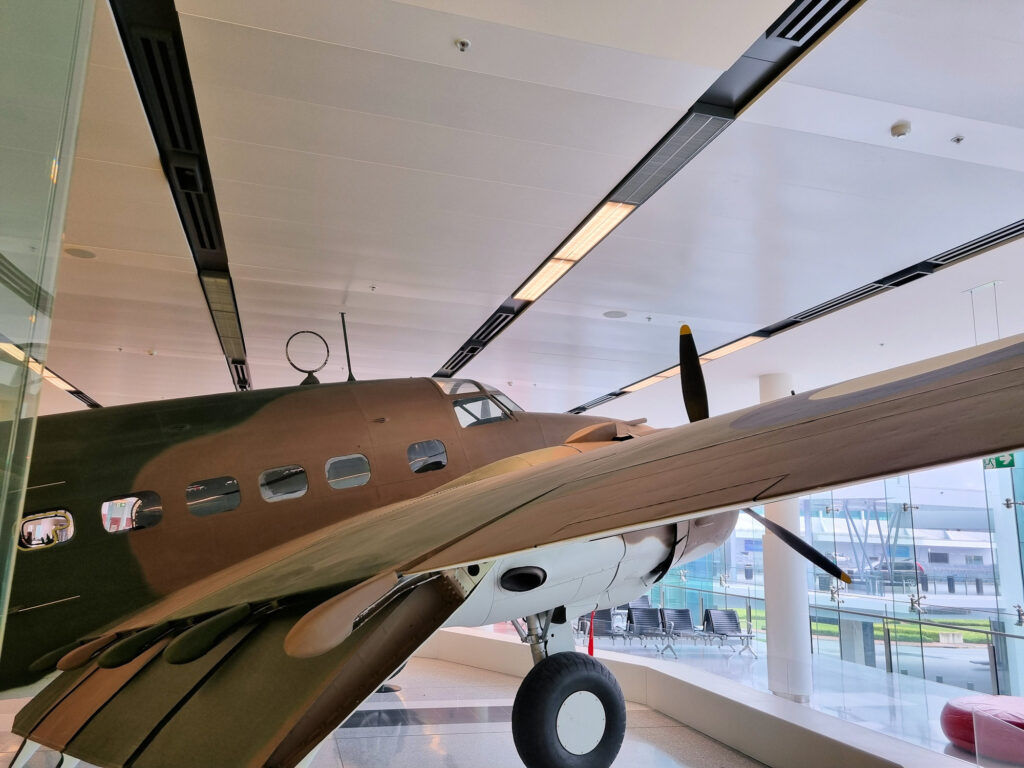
900 129
462 44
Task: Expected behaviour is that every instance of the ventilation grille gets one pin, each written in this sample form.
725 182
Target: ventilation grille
162 75
456 361
199 215
494 324
674 151
807 19
25 287
85 398
240 373
979 244
855 295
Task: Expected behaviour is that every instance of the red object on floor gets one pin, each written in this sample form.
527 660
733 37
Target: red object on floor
590 644
957 720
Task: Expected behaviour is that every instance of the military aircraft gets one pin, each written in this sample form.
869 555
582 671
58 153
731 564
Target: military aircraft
222 580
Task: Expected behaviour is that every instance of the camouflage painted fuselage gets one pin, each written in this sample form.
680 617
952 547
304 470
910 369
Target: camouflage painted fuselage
71 590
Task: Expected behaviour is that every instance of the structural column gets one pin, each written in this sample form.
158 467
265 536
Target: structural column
785 587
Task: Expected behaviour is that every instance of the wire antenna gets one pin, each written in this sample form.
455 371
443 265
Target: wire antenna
348 360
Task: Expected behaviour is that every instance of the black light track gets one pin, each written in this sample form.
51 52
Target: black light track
793 34
975 247
151 35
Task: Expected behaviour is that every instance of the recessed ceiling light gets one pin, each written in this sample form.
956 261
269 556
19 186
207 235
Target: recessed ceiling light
614 314
80 253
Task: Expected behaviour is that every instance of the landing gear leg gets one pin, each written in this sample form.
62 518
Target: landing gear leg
569 710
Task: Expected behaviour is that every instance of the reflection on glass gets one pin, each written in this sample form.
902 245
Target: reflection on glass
473 411
46 529
427 456
348 471
140 510
456 386
211 497
283 483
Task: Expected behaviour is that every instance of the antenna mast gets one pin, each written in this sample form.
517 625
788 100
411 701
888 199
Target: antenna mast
348 360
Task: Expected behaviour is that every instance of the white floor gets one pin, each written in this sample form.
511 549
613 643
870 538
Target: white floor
902 706
451 716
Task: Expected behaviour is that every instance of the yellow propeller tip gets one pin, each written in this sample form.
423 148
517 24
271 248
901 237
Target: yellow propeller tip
684 330
846 578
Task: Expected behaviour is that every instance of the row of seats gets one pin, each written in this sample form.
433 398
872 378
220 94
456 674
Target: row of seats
665 625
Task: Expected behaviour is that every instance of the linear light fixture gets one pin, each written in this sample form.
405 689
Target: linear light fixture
735 346
580 243
35 366
643 383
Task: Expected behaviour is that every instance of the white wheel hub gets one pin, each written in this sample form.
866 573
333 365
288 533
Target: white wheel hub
580 723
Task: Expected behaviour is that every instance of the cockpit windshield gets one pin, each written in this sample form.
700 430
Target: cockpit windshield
468 387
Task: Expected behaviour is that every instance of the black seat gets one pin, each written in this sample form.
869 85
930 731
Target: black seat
648 624
604 625
725 625
679 623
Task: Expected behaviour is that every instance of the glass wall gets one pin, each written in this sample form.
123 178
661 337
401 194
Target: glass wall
935 558
43 48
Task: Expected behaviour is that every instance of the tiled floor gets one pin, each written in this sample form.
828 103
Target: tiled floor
903 706
450 716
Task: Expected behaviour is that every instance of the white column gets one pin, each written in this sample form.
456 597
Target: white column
785 587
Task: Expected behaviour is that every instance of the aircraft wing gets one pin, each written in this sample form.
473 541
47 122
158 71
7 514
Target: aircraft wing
229 699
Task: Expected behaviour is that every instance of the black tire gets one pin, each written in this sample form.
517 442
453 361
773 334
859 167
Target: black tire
540 698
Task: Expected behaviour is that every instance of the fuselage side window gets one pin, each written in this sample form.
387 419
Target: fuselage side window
427 456
473 411
142 509
282 483
213 496
347 471
46 529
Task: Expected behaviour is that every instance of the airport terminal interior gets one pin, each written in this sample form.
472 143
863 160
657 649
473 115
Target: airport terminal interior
507 209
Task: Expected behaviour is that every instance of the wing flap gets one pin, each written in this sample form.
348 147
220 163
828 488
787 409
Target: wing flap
245 703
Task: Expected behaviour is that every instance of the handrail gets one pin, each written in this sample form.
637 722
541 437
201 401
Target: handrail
854 612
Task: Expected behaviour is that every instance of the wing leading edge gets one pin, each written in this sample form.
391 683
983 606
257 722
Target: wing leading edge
944 410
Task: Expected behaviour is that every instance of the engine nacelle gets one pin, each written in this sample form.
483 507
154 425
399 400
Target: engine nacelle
588 575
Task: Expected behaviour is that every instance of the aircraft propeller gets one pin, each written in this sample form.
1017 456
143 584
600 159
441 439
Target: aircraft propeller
695 398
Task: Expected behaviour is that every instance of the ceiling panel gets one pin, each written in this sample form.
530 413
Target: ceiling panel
384 173
130 323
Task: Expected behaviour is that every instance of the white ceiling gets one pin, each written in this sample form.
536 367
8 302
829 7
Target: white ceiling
361 163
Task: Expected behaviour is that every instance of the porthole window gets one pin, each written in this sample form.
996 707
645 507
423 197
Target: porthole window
283 483
427 456
473 411
140 510
46 529
213 496
348 471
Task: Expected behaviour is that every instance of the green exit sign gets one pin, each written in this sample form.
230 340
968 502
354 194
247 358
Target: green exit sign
999 462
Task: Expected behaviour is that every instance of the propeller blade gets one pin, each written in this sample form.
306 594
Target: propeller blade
801 546
695 394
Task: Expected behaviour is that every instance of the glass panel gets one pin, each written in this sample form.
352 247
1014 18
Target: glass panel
473 411
140 510
46 529
427 456
283 483
348 471
43 55
210 497
506 401
457 386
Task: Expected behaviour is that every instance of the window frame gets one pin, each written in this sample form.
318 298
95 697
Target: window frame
191 505
139 499
505 415
368 473
290 495
56 512
420 470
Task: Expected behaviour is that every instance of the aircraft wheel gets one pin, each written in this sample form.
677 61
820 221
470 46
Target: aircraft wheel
569 713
